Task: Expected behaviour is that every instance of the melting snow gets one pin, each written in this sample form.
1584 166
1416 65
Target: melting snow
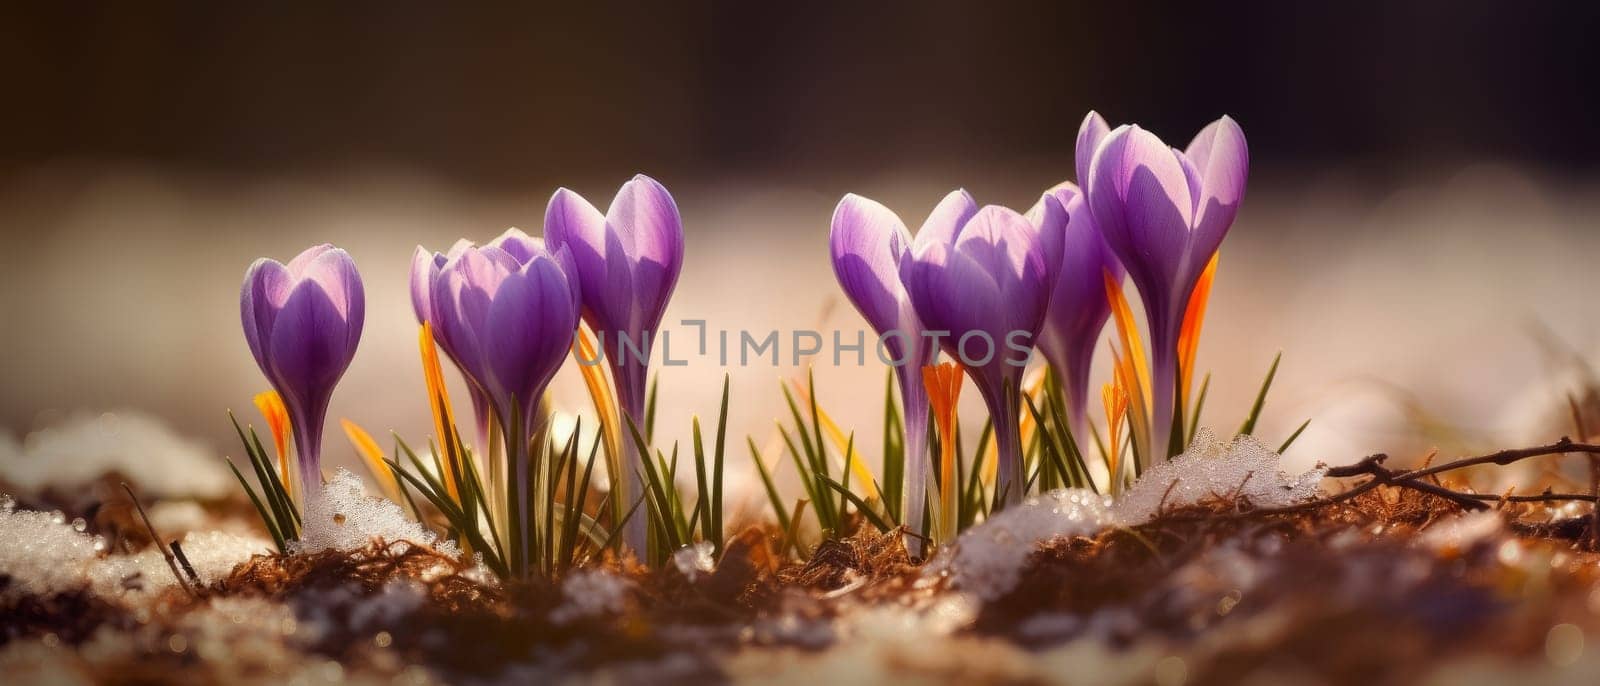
41 552
591 593
694 560
44 554
987 560
344 517
1212 468
85 447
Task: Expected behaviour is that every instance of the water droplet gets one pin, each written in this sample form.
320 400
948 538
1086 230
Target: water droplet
80 525
1510 552
58 517
1171 671
1563 645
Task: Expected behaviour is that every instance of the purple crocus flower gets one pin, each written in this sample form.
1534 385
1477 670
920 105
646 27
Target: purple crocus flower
627 261
509 323
1078 306
980 277
425 270
1164 212
867 242
303 321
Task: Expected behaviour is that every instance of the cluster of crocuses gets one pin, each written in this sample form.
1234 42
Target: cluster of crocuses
505 313
973 276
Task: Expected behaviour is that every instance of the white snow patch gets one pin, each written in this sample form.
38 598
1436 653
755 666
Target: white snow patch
344 517
694 560
591 593
213 554
41 552
1212 468
987 559
86 446
44 554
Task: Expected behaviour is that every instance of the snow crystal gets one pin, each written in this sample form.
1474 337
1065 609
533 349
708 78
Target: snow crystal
694 560
212 554
344 517
591 593
1212 468
43 554
987 559
85 447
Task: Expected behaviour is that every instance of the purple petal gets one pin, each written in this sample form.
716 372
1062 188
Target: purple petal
947 218
1078 309
1222 159
1049 220
266 287
298 265
424 268
866 242
518 244
598 258
1004 245
308 348
1139 195
335 271
1091 134
645 218
527 331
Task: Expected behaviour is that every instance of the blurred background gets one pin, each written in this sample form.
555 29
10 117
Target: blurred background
1419 236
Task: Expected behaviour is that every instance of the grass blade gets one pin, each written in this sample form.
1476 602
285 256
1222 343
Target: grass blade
1290 440
771 488
1249 425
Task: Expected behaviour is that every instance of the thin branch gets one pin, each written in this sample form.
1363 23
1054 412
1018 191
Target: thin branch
1421 480
172 562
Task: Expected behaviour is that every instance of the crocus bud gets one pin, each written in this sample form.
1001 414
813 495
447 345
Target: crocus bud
1078 307
303 322
979 277
425 270
1164 212
508 314
867 242
627 262
507 323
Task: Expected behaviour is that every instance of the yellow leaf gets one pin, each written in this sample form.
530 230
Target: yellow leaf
372 456
604 403
840 442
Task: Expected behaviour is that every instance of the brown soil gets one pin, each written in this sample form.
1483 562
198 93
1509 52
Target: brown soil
1352 596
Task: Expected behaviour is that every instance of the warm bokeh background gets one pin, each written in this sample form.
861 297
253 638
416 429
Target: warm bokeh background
1419 235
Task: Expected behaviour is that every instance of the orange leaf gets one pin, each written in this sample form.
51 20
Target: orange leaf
271 406
1189 333
372 456
604 404
944 389
444 422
